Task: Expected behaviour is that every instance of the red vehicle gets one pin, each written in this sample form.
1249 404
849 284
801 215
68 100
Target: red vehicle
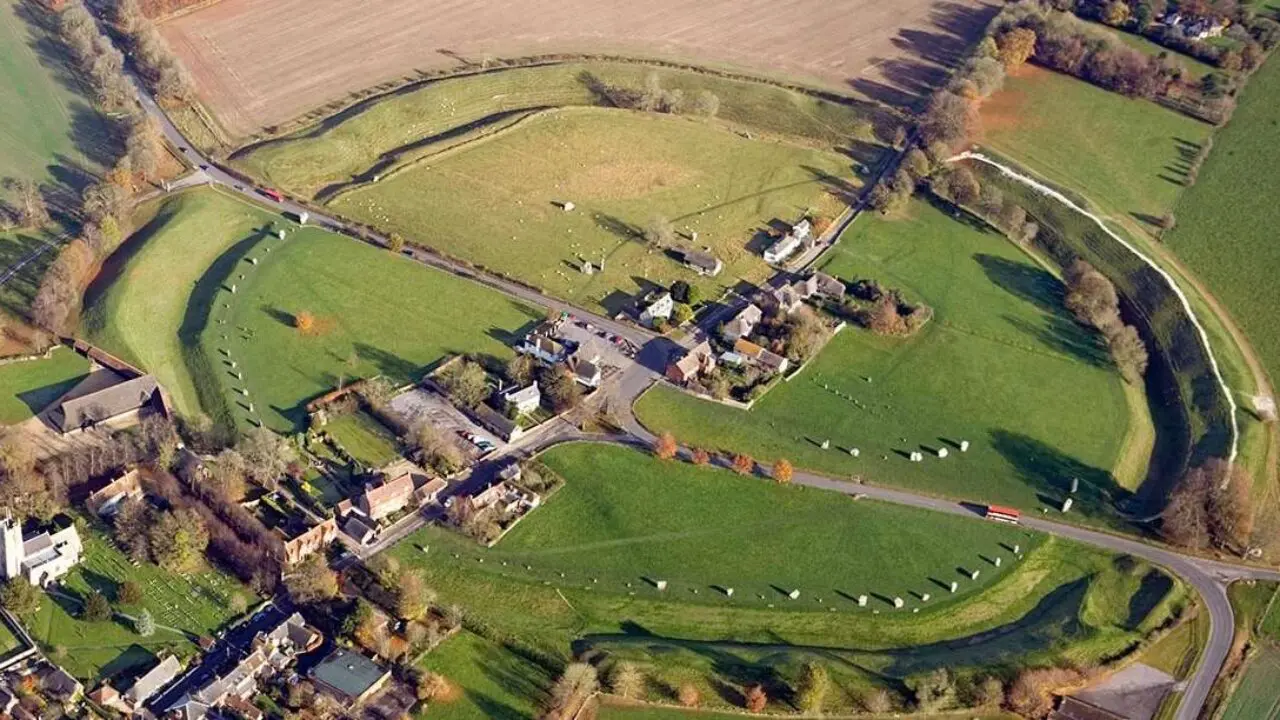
273 194
1003 514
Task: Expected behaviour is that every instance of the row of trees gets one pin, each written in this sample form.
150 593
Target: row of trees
160 68
1092 298
98 62
173 539
1211 507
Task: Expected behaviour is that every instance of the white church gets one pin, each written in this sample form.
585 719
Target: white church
41 558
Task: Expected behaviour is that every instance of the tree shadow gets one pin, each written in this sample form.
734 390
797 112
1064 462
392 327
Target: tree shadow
617 227
838 187
1049 471
1154 587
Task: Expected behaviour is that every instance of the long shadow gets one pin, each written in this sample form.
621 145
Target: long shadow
1025 282
1049 471
1154 587
129 662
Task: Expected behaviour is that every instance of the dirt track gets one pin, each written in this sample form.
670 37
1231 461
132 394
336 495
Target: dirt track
261 62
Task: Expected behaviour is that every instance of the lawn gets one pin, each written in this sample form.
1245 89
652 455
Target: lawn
489 679
559 582
439 114
27 387
47 127
1130 156
374 313
494 202
365 438
996 366
1256 698
184 607
1227 220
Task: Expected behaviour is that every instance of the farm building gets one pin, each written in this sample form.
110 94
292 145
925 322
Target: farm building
117 402
702 262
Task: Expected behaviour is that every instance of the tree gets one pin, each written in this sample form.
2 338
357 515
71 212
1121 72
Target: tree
917 163
437 450
948 119
571 690
1185 519
32 210
688 695
701 457
1129 353
227 475
561 388
1011 217
783 471
266 455
681 314
104 198
706 103
814 684
962 186
1091 297
521 368
178 540
413 597
312 580
626 680
755 699
131 524
990 201
1229 505
680 291
129 593
934 691
96 607
431 686
465 382
876 701
395 243
743 464
20 597
1031 694
989 692
304 321
144 624
1115 13
665 446
660 232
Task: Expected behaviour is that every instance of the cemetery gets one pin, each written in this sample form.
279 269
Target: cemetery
869 404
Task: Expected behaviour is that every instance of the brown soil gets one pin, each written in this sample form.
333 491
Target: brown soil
261 62
1003 110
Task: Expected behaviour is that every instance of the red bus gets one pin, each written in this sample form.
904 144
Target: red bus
1003 514
273 194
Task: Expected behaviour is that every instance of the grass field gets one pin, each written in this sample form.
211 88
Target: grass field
608 523
374 313
16 247
624 712
1256 698
1177 652
364 437
493 202
27 387
994 310
184 608
1226 219
1130 157
45 123
490 680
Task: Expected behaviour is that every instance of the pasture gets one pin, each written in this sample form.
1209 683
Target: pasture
621 513
27 387
1226 220
488 680
494 202
892 53
995 366
27 253
1130 157
1255 698
374 313
183 607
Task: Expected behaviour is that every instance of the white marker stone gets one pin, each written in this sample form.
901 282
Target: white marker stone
898 602
794 594
662 584
964 446
862 601
954 586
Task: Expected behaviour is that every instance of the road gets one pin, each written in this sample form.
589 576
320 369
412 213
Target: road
1208 577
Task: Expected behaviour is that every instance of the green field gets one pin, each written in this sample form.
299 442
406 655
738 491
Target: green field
1227 219
996 366
611 522
365 438
374 313
1130 157
624 712
184 608
27 387
492 681
493 203
45 123
1256 698
16 247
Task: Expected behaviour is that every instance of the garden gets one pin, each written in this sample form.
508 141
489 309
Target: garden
27 387
999 360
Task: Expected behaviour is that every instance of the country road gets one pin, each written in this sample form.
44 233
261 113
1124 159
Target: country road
1208 577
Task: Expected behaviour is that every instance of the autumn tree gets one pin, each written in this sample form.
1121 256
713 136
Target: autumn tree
431 686
129 593
934 691
32 210
988 692
688 695
521 368
917 163
304 321
178 539
626 680
755 700
660 232
413 597
961 186
311 580
701 457
1129 352
465 381
395 243
743 464
783 472
1210 505
876 701
227 475
1015 46
267 456
665 446
438 451
813 686
561 388
1091 297
576 684
1031 694
949 119
131 524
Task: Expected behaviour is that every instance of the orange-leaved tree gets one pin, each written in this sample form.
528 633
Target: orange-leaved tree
782 471
701 457
665 448
743 463
304 321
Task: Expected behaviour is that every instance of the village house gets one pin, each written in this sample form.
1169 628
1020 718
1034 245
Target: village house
786 299
301 539
656 306
142 689
430 492
349 676
698 361
742 324
702 262
543 348
820 285
390 497
783 247
586 372
114 404
58 684
525 400
40 558
767 360
505 497
106 501
359 529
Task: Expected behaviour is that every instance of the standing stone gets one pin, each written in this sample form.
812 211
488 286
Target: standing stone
662 584
233 289
1066 505
964 446
280 234
1075 485
826 444
925 597
942 452
862 601
728 592
997 561
794 594
1017 549
855 452
974 575
954 586
897 602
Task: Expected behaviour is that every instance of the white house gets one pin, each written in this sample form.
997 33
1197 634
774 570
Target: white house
544 348
657 305
789 243
41 558
525 400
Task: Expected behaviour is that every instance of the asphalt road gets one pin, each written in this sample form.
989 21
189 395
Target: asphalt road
1209 578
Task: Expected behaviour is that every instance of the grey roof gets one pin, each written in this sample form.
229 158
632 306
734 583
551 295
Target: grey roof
107 403
152 680
350 673
701 259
